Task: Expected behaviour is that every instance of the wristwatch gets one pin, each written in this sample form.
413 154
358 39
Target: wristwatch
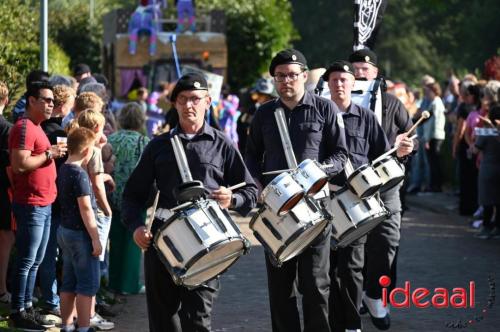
233 201
48 155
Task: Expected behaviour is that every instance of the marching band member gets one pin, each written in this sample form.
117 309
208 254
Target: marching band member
315 133
365 141
383 241
216 163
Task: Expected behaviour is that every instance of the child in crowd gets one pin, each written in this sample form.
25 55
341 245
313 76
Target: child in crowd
77 235
95 121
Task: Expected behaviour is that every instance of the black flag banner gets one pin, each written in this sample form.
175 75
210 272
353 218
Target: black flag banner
367 19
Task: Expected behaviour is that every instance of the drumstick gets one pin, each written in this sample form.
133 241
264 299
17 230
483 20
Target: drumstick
277 172
391 150
237 186
425 115
152 216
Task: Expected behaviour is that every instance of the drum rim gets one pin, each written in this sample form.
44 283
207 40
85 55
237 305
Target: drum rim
384 160
175 271
385 213
299 196
391 183
358 171
369 192
296 234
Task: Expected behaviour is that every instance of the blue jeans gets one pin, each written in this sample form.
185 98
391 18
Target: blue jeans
33 230
80 268
47 271
103 227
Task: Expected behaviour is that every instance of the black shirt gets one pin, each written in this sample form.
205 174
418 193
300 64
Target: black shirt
314 130
364 136
212 159
395 118
73 182
52 127
4 152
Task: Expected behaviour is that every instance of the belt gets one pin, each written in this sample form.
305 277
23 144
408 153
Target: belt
163 214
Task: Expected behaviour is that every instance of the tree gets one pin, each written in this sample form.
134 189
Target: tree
19 49
256 30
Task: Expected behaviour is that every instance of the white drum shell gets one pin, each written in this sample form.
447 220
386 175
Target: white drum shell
308 174
364 181
350 212
295 230
390 171
280 190
210 243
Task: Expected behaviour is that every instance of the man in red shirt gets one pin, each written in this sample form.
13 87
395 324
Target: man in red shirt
34 190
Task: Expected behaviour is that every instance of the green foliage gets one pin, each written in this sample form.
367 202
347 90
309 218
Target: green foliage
256 30
78 28
417 36
19 49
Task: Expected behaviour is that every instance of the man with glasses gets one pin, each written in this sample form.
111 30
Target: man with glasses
215 162
316 132
34 190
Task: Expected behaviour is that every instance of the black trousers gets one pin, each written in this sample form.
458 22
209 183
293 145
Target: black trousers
173 308
434 157
382 244
310 271
346 288
467 173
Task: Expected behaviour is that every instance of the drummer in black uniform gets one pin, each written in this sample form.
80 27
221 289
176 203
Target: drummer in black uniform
365 142
383 241
215 162
315 133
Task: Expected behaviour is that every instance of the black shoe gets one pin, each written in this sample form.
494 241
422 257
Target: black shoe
383 323
25 322
362 309
47 323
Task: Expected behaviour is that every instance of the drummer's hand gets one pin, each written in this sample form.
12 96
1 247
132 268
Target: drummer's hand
142 237
223 196
405 145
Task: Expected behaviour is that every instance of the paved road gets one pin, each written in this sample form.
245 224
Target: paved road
437 250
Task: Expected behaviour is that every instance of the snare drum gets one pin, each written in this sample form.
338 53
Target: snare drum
390 171
287 236
364 181
282 194
199 243
310 176
354 216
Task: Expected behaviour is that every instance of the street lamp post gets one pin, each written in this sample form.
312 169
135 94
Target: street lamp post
44 44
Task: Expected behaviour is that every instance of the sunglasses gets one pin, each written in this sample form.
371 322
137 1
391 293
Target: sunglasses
47 100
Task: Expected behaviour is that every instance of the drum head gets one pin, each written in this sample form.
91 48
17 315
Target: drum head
391 183
290 203
317 187
302 241
218 259
361 229
369 192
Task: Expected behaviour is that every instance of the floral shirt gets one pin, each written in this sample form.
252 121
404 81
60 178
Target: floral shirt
127 147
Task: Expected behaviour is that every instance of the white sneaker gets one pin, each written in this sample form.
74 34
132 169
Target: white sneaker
375 307
100 323
357 330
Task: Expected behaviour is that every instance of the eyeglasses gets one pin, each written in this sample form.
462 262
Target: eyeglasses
183 100
280 77
47 100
